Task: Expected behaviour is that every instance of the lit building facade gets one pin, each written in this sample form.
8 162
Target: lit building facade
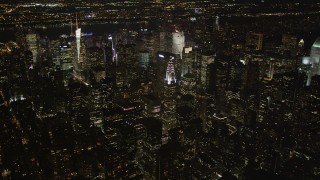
178 42
32 42
169 101
254 41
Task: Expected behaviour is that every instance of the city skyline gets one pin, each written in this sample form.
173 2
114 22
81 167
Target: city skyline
160 89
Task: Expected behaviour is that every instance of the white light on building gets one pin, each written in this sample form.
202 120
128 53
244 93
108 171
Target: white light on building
178 42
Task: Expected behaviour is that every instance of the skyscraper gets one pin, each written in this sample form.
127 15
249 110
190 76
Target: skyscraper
311 65
178 42
315 57
32 42
169 101
254 41
78 38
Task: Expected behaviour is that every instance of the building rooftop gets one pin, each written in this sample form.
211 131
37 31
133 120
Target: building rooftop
316 44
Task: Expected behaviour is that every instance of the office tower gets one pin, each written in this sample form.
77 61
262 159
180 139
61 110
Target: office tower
236 74
170 73
148 148
160 71
315 57
78 40
32 42
97 102
206 59
65 57
237 110
188 84
270 70
217 25
289 43
164 40
178 42
218 73
169 101
151 105
186 64
144 59
254 41
94 57
148 42
79 62
305 67
251 79
114 51
311 65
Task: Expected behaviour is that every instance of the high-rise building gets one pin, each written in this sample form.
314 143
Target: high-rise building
114 51
163 41
254 41
311 65
151 105
186 64
188 84
169 101
270 70
178 42
65 59
315 57
78 41
163 59
32 42
289 43
79 61
144 59
206 59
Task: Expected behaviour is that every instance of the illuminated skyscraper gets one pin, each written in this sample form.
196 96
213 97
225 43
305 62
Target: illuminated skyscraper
114 51
144 59
188 84
32 41
178 42
186 64
78 39
311 65
79 63
163 58
315 57
169 101
306 67
170 73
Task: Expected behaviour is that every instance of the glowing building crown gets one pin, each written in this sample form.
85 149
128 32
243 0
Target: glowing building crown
170 73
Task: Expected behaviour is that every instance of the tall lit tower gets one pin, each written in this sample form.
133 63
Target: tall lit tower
114 51
315 57
170 73
78 38
311 65
169 101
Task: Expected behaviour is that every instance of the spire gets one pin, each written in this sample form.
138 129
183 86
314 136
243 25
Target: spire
77 21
